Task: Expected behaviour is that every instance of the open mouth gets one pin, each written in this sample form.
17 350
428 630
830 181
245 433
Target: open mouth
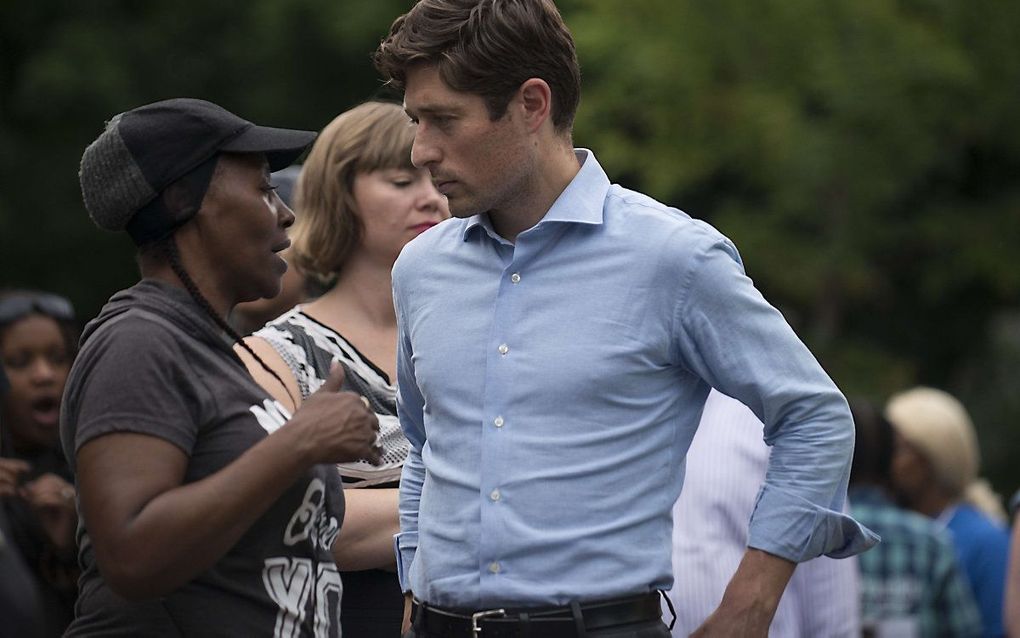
279 248
46 410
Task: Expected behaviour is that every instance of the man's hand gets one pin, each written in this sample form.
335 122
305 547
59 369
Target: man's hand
751 598
405 624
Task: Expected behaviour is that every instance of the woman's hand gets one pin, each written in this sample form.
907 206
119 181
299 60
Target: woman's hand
10 475
52 500
336 427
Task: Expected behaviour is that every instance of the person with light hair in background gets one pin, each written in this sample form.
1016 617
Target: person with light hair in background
359 202
935 472
912 584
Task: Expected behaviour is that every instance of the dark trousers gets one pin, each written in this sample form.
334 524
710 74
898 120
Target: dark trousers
373 604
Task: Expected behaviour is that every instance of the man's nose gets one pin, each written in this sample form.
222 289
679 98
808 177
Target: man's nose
423 152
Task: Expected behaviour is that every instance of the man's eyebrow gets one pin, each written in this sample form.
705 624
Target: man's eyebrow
432 109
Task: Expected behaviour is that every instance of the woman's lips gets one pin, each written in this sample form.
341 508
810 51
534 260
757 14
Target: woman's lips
46 411
46 417
421 228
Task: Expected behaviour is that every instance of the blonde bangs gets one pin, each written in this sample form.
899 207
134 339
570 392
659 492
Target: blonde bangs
389 140
372 136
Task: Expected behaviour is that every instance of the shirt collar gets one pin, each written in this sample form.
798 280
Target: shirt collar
479 221
580 202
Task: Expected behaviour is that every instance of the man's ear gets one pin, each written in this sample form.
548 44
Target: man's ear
536 102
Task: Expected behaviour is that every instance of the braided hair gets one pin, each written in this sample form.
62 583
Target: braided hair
168 248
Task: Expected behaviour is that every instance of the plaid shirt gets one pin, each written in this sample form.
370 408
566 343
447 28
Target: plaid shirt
911 583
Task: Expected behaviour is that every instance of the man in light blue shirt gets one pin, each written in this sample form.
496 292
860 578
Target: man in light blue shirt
557 341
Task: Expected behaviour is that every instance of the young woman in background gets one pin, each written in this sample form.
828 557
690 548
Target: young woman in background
38 340
359 201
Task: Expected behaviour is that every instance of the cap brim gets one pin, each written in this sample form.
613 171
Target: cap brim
282 146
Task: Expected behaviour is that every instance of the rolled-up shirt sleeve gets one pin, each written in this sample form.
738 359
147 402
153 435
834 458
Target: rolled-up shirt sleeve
738 343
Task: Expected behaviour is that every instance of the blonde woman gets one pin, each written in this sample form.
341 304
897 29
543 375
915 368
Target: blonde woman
359 201
936 472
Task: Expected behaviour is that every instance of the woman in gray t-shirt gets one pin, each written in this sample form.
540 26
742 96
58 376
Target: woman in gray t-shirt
206 508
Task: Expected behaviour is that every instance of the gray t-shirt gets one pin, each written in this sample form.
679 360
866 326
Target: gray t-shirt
154 363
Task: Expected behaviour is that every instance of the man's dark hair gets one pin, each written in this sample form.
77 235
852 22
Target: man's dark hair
487 48
873 450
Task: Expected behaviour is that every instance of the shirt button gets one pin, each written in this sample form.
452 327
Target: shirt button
498 422
516 278
494 567
494 495
503 348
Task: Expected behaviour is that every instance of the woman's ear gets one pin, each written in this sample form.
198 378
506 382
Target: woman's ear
178 201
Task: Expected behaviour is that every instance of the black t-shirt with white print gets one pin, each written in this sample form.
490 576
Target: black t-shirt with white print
154 363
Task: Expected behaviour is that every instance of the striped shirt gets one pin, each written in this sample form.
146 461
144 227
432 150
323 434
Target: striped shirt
309 348
725 469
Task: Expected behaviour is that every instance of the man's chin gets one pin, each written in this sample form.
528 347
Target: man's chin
463 209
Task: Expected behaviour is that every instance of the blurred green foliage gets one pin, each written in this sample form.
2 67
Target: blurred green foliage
862 154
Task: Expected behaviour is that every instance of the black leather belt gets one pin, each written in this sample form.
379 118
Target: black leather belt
547 622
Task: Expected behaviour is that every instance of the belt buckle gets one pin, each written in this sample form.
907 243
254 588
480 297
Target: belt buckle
476 631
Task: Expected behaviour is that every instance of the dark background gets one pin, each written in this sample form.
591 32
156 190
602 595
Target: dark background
863 154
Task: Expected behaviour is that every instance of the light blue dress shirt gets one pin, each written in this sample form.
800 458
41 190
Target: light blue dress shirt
550 389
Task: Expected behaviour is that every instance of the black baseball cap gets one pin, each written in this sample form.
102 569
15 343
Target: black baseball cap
143 151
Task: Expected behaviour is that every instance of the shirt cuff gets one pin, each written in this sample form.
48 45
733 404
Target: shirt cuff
796 529
405 544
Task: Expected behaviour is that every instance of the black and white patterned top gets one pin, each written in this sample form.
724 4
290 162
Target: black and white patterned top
309 349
